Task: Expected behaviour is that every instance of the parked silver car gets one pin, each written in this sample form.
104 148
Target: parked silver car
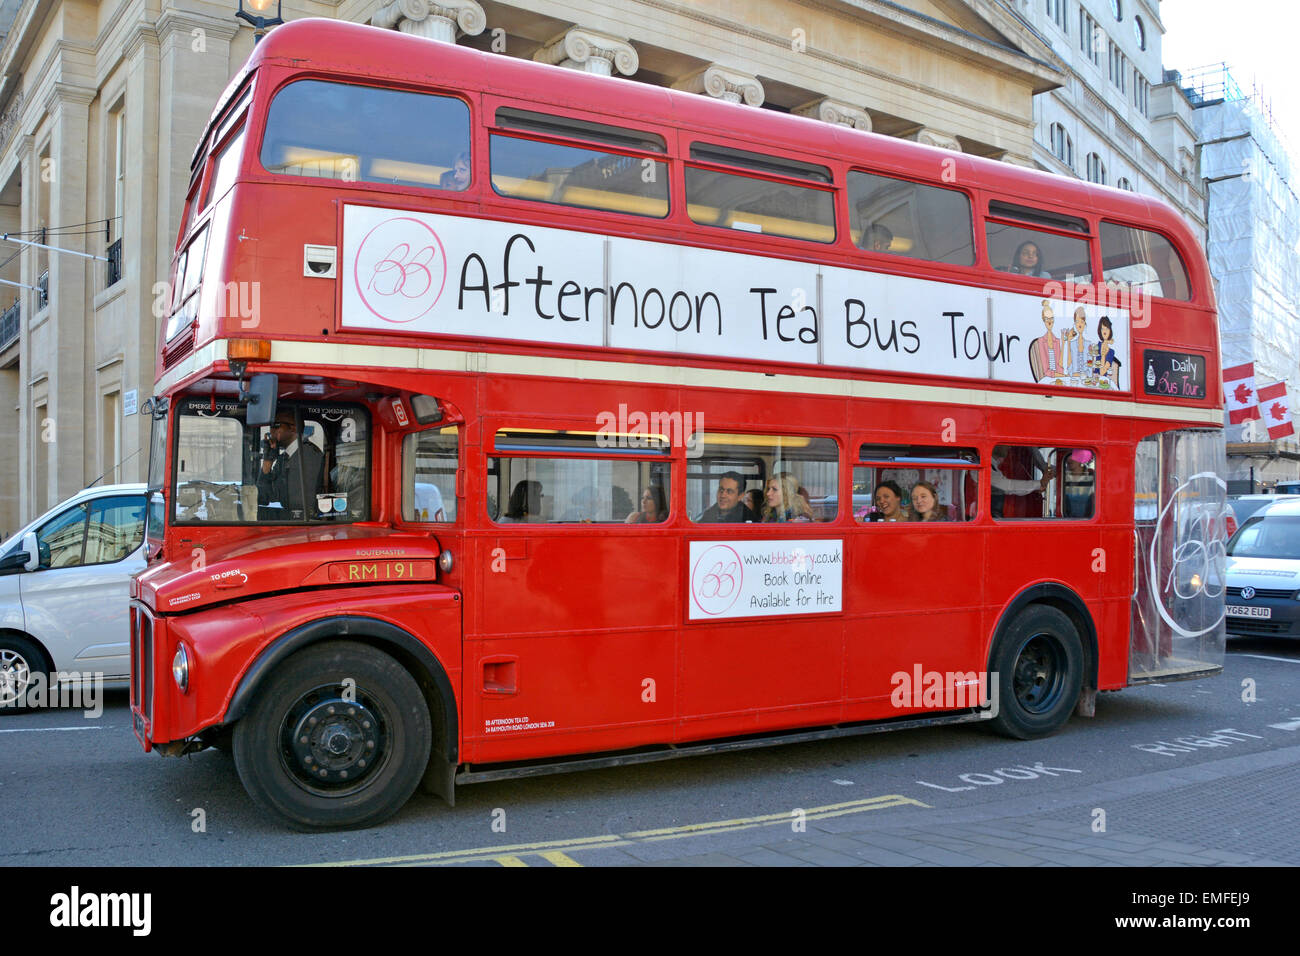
64 587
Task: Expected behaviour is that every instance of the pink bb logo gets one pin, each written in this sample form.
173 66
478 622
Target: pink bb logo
400 270
716 579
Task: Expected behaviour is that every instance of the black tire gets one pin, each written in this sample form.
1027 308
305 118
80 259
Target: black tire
1038 660
20 660
322 754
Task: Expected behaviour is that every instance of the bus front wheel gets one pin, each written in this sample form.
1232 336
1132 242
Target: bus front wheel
1038 660
338 738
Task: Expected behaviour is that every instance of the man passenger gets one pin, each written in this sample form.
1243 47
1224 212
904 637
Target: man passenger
730 507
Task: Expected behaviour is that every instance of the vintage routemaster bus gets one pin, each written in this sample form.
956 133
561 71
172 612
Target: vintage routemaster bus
511 419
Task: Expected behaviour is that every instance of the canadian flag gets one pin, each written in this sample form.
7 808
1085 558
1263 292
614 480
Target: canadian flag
1277 410
1239 390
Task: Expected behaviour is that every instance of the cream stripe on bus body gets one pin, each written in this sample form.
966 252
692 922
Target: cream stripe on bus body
342 354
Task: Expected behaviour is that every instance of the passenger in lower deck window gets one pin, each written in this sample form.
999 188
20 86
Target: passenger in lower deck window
925 503
525 503
782 501
730 507
654 507
889 502
1079 484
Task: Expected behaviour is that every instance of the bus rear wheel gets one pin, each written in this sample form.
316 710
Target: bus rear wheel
1038 660
338 738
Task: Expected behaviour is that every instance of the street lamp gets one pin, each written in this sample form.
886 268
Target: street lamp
256 15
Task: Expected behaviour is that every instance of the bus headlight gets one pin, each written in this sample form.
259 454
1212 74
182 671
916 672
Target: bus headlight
446 562
181 668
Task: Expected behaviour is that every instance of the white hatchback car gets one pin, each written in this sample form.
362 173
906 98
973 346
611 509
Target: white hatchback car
64 589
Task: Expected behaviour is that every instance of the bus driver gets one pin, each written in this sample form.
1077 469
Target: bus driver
285 461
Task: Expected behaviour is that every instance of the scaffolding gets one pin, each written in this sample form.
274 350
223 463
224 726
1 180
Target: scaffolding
1254 234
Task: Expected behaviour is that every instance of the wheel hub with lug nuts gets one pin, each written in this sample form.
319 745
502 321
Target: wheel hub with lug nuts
336 740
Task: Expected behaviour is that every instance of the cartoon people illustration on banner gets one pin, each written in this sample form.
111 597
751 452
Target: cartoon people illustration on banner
1046 359
1073 358
1109 363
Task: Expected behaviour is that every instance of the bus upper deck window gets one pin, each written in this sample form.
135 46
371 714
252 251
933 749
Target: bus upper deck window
910 219
1020 246
587 176
732 200
367 134
1138 260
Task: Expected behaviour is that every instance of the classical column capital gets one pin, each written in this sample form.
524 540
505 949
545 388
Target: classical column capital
432 19
835 112
932 137
592 52
724 83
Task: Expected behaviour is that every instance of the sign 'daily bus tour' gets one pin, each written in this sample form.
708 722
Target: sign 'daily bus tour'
507 414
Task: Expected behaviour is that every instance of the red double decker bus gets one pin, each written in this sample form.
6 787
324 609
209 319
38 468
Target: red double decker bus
511 419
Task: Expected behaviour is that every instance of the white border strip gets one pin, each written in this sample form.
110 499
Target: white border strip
341 354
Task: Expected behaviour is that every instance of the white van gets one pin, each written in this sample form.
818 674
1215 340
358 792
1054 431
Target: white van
64 589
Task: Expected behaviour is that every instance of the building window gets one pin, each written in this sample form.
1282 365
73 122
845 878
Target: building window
1118 66
1056 12
1124 183
1141 93
1090 37
1116 9
1062 145
1140 33
1096 169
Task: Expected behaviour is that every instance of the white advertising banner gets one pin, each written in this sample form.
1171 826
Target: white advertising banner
755 578
406 271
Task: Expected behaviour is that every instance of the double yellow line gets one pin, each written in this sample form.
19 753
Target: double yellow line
556 852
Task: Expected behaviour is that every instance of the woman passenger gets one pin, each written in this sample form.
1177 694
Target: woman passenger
782 501
889 502
925 503
1028 261
654 507
525 502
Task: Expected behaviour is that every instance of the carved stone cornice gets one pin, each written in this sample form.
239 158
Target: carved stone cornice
837 113
932 137
724 83
62 95
432 19
591 52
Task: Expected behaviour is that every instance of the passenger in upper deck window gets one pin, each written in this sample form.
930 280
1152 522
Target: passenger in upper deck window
782 501
754 499
654 507
458 176
1028 261
925 503
731 507
877 239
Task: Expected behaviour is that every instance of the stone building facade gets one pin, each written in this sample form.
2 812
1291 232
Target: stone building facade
101 104
1115 119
